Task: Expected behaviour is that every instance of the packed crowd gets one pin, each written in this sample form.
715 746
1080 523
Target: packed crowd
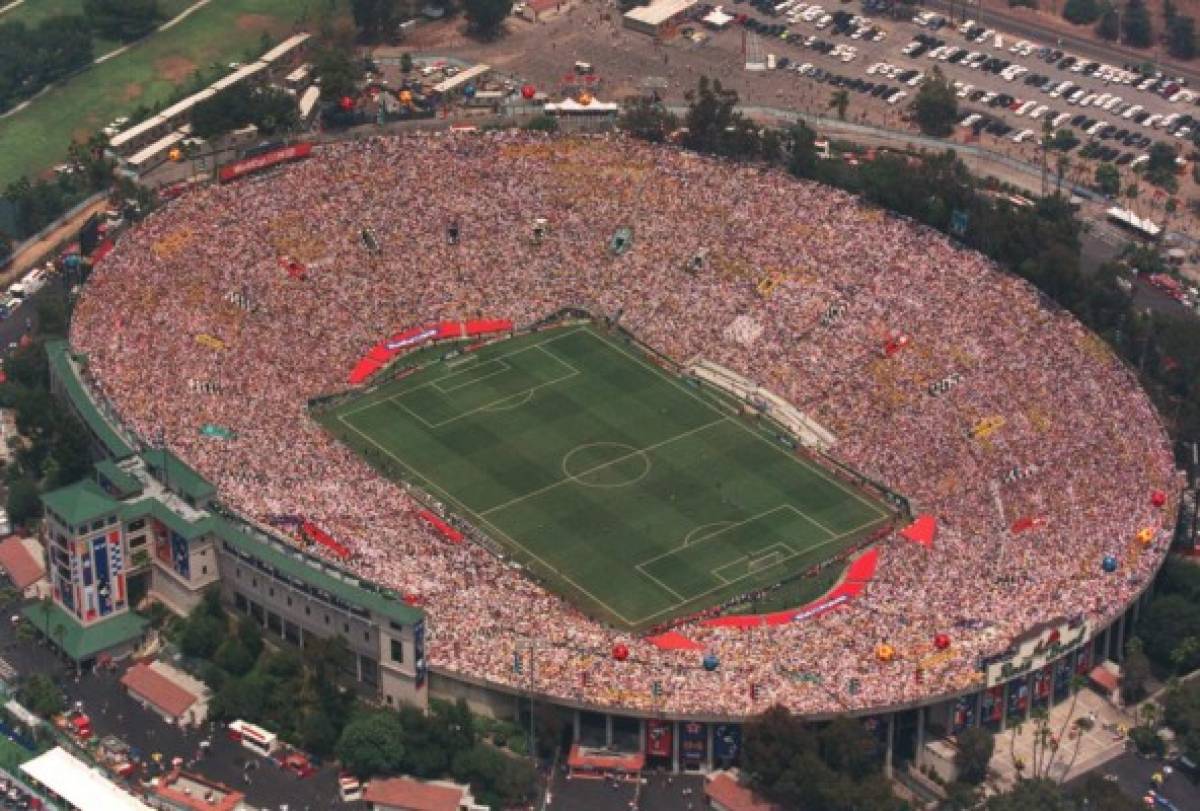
868 313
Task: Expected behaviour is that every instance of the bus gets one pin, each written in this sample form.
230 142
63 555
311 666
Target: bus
255 738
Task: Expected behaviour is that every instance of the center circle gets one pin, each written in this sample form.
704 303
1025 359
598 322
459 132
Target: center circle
605 464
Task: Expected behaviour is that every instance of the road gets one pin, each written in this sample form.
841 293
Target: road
1132 774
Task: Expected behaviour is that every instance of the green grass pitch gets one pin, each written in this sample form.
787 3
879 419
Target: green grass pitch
630 491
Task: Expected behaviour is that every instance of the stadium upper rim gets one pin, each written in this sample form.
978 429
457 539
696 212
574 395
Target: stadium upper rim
916 419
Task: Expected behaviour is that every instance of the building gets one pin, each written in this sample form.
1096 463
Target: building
21 560
157 691
183 791
403 794
725 791
584 114
658 17
148 524
172 538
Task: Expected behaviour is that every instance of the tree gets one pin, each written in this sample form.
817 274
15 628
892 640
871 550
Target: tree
372 744
1108 178
1081 12
375 19
337 72
1136 26
1135 672
233 657
1168 620
1181 37
542 123
24 502
715 126
268 108
122 20
1030 795
1109 27
487 16
936 105
975 748
40 695
645 117
839 100
802 150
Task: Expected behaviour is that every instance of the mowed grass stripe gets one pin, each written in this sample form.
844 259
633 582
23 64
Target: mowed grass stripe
599 478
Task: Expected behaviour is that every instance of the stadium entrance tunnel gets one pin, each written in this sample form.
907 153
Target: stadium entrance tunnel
606 464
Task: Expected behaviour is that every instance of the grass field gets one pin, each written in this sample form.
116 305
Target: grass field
627 489
36 138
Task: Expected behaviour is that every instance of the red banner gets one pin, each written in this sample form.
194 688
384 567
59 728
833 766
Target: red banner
658 738
249 166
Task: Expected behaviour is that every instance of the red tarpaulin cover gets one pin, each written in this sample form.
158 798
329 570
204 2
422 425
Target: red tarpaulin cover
102 250
318 535
922 531
448 532
673 640
860 572
383 352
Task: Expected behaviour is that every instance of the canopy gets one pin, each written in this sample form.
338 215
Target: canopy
82 787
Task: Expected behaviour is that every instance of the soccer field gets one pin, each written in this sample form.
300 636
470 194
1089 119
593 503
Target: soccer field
630 491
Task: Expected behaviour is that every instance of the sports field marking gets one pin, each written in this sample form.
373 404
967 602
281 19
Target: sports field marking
483 522
722 568
768 556
700 596
577 477
674 380
732 526
594 468
494 367
499 404
509 403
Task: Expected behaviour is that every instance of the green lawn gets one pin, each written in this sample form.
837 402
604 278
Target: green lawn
625 488
36 138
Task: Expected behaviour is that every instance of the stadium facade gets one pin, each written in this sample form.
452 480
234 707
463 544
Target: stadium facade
148 523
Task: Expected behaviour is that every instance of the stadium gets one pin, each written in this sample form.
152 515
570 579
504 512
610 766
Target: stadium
588 403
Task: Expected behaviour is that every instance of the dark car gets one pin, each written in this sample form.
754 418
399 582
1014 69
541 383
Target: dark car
1124 158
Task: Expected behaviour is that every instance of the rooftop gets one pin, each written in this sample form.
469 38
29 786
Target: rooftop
413 795
22 568
200 793
177 475
123 483
77 641
83 787
727 792
157 689
80 503
59 356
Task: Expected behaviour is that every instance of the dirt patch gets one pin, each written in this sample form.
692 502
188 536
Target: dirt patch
174 68
254 22
131 91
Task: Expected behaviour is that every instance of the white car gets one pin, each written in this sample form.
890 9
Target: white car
1153 121
1060 119
1101 100
1039 111
965 90
1113 103
896 98
1132 111
1025 107
1021 136
969 120
915 80
1095 128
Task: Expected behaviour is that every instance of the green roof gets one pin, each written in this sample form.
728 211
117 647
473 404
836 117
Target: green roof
78 642
125 484
381 602
156 509
79 503
177 475
58 354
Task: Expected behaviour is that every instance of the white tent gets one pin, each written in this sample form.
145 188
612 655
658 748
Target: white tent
717 18
81 786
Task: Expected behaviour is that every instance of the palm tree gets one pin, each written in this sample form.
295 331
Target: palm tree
1077 684
839 100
